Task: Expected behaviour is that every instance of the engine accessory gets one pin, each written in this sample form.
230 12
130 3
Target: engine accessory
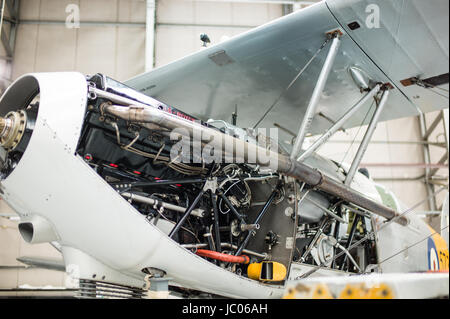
268 271
325 250
271 238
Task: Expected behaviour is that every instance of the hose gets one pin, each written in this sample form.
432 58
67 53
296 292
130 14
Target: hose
242 259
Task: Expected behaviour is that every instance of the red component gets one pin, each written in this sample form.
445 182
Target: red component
137 172
88 157
242 259
114 165
157 178
179 185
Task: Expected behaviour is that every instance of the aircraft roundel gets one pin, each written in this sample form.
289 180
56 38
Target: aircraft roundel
433 259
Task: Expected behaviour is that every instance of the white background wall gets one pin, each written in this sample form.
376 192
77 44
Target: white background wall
119 52
116 51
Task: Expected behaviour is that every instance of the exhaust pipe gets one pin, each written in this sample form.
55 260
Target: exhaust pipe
241 150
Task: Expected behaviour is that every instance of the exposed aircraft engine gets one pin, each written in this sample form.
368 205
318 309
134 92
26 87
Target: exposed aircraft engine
250 219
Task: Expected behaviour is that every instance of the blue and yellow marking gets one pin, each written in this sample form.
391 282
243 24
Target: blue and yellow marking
437 252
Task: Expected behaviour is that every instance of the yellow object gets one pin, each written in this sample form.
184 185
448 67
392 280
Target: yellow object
321 291
268 271
299 292
441 251
350 291
353 292
291 294
316 291
382 291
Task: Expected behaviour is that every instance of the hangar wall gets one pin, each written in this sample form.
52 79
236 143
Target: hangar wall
117 50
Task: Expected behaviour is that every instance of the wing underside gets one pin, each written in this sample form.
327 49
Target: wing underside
249 72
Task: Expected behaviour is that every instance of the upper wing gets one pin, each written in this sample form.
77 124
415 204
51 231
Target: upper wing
251 70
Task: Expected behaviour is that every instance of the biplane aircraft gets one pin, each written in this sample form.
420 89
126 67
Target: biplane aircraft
151 177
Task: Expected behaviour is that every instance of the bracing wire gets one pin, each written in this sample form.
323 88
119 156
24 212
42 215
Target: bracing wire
410 246
356 135
431 86
291 83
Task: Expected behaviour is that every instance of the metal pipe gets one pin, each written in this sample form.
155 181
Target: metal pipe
341 191
347 254
357 210
208 236
313 241
400 179
333 129
150 35
160 182
350 237
151 201
433 125
408 165
95 93
426 155
440 164
438 144
249 227
246 251
315 98
85 23
366 139
207 25
446 127
241 149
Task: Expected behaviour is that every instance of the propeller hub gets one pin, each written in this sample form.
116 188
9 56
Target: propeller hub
12 128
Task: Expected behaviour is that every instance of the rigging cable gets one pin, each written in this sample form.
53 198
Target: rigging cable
292 82
356 135
426 85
